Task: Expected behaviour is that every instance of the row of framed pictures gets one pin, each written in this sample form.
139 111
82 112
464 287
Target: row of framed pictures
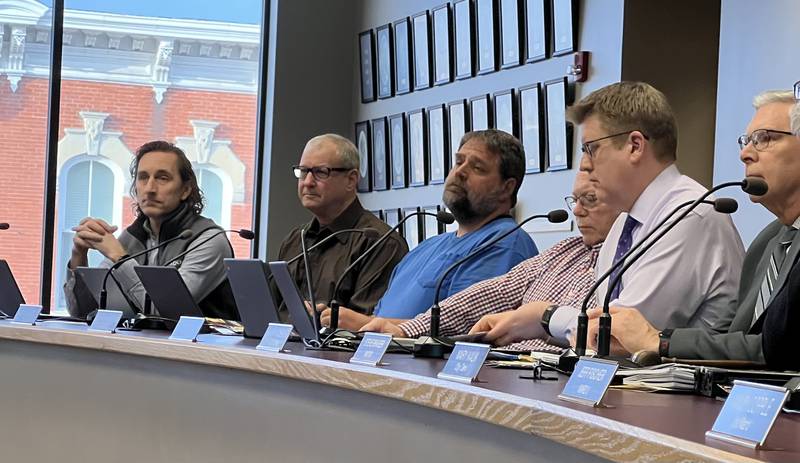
462 40
418 148
417 228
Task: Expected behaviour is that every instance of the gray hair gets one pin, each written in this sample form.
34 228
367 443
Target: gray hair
508 148
345 149
781 96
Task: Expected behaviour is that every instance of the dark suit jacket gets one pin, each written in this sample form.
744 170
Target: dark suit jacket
743 339
781 325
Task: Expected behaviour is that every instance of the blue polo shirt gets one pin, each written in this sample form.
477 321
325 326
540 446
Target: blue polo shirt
413 282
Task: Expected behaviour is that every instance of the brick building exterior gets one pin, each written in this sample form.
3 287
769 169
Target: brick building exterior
127 80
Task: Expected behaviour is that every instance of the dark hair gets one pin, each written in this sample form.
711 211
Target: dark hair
510 150
195 198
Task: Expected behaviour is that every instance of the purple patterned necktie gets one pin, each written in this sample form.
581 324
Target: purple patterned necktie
623 246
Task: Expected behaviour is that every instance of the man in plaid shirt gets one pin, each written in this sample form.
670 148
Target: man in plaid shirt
562 274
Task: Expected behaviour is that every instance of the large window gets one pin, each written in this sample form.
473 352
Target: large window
184 71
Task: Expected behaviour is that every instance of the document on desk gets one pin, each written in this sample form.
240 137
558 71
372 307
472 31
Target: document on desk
665 377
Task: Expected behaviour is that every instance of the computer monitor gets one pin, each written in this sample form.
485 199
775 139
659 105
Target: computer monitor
295 303
93 277
10 295
168 292
249 280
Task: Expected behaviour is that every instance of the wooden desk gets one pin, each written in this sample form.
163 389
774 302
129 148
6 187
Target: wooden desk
73 395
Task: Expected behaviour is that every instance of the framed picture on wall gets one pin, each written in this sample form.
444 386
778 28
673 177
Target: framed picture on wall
417 159
480 110
458 122
366 48
385 62
378 214
431 227
510 34
403 51
363 143
536 28
564 27
505 112
411 228
463 30
380 160
530 127
438 155
559 131
442 44
397 137
422 57
487 47
392 217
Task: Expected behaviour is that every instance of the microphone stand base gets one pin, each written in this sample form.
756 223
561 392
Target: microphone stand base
144 322
429 347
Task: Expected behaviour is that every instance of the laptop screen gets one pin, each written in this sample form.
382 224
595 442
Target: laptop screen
294 302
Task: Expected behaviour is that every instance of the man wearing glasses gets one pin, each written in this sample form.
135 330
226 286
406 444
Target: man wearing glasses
767 323
563 273
689 278
326 185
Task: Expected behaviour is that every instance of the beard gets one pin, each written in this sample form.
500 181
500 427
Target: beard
465 206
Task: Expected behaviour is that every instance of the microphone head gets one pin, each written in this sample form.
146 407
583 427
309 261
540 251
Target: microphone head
754 186
371 233
557 216
186 234
445 217
246 234
726 205
4 226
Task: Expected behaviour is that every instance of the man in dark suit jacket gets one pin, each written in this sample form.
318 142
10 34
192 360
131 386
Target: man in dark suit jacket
765 324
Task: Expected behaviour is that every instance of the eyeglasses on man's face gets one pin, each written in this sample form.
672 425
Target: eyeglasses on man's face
797 90
761 138
587 201
590 147
319 173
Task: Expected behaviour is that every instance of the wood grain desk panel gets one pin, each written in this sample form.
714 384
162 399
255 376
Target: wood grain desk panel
638 427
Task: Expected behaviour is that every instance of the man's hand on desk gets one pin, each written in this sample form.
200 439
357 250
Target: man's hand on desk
384 325
513 326
348 319
630 331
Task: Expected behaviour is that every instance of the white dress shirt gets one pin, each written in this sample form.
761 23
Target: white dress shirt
689 278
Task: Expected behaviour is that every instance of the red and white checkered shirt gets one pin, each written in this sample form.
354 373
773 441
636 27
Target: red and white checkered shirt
562 275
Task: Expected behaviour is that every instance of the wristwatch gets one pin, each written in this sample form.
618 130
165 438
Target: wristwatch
546 316
663 342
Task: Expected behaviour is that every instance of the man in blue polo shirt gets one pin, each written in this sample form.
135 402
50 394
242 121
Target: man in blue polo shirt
480 191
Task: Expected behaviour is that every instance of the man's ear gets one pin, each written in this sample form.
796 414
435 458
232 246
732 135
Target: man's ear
187 190
508 187
352 180
637 143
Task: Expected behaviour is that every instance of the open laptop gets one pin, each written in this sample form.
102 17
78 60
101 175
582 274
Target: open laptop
115 299
249 280
295 303
168 292
10 295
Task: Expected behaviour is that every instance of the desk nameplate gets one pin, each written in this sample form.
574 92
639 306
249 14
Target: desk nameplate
464 362
748 414
187 329
589 381
106 321
371 349
27 314
275 337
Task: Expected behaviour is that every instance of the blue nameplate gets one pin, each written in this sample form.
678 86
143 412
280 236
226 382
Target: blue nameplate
187 329
106 321
589 381
748 413
27 314
465 362
371 349
275 337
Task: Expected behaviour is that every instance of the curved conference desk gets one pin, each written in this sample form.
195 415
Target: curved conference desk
72 395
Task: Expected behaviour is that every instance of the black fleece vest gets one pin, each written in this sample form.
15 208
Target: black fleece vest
219 303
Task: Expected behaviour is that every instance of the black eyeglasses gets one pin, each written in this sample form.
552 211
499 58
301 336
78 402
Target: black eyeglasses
760 138
797 90
319 173
589 149
587 200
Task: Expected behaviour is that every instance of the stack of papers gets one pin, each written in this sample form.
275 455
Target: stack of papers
665 377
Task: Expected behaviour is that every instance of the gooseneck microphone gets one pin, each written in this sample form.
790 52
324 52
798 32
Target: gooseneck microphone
186 234
441 216
430 346
243 233
751 185
4 226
